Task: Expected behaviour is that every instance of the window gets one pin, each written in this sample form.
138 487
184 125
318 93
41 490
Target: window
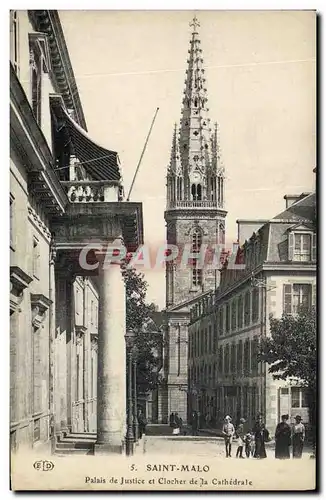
233 358
234 315
14 42
298 296
197 274
227 326
210 339
227 359
220 359
247 309
239 358
240 312
302 247
246 358
36 257
255 305
36 82
220 322
179 188
254 356
295 397
196 192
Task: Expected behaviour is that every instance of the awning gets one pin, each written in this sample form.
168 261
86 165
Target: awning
100 163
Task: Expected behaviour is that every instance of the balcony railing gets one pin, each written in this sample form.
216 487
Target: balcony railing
93 191
194 204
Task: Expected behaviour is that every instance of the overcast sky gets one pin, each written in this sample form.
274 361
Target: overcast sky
260 71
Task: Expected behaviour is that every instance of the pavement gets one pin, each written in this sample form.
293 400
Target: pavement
200 446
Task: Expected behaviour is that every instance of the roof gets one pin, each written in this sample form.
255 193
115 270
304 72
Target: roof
302 210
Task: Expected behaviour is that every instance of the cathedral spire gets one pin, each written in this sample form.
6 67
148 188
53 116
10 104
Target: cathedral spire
195 149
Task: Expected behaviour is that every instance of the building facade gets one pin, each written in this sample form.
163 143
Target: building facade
66 345
195 217
278 276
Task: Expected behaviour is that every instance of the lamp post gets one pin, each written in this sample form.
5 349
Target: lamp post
130 434
136 432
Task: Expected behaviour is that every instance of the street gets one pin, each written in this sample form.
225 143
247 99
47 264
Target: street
199 446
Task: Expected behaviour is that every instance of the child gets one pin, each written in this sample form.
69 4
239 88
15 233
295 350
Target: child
249 444
241 438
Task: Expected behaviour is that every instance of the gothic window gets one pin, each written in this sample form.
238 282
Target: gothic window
196 192
36 81
179 188
197 274
196 102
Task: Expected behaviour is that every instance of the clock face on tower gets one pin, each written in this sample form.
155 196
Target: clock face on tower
195 177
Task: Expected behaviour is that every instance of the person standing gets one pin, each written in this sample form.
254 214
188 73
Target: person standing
228 432
298 436
261 436
142 422
241 438
176 424
194 423
283 438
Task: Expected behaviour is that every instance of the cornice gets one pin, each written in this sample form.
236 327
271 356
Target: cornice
19 281
48 21
40 304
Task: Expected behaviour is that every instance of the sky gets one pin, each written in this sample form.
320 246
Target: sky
261 78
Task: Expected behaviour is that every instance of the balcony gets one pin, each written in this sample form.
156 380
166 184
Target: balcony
93 191
193 204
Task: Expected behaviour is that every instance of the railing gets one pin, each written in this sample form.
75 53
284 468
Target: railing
194 204
93 191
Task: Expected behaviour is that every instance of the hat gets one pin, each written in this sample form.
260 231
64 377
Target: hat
298 417
242 420
227 417
285 417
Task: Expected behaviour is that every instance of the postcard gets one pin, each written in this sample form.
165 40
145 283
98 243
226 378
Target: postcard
163 250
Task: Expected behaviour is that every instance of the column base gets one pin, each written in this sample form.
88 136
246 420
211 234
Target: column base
108 449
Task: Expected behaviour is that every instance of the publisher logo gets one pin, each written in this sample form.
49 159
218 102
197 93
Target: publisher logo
43 465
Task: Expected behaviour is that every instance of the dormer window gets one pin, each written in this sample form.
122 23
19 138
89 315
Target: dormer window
302 246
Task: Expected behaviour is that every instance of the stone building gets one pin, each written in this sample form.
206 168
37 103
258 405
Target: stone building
279 275
67 312
195 216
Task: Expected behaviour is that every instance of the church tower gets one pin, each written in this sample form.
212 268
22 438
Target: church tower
195 217
195 213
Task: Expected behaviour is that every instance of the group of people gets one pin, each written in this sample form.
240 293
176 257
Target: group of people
252 442
175 423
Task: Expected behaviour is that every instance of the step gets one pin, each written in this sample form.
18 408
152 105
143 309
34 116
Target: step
74 445
72 439
81 435
72 451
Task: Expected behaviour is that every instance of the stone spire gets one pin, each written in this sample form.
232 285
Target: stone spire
195 144
175 167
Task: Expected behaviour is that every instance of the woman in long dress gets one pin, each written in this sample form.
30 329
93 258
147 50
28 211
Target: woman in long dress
298 435
283 438
261 436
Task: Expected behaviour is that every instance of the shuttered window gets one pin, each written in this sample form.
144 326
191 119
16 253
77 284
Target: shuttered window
247 309
239 358
234 315
298 296
240 312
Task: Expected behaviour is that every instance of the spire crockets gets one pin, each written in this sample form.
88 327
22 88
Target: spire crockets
199 154
175 161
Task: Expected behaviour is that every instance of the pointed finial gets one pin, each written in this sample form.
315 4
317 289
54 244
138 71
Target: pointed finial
194 23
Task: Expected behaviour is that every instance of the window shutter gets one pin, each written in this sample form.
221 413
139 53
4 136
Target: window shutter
314 247
313 299
291 246
287 299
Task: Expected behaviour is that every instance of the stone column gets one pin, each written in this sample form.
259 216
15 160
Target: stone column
111 382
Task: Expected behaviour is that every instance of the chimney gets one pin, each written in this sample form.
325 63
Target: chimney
290 199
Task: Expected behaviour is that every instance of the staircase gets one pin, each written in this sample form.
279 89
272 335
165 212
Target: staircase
76 443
